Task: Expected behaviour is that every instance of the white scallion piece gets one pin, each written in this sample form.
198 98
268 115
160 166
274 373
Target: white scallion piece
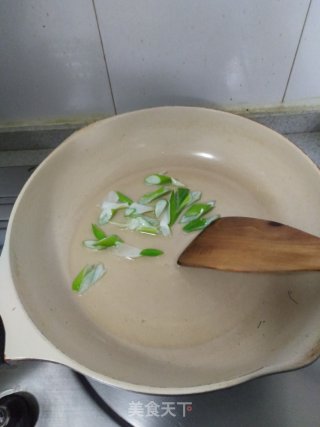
160 207
104 243
157 179
176 183
194 197
131 252
117 197
87 277
137 209
109 209
126 251
161 179
144 225
164 222
90 244
112 197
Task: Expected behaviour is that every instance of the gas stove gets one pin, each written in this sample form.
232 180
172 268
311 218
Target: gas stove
53 395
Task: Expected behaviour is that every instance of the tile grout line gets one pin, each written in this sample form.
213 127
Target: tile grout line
104 56
296 53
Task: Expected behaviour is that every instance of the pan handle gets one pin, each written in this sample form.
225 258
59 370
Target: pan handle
20 336
2 341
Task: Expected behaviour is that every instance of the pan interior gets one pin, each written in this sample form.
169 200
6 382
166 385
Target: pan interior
149 321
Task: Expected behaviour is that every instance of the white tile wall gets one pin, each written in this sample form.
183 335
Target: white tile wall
51 61
199 52
206 52
304 84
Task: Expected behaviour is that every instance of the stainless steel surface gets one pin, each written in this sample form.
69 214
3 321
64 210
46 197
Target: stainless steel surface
283 400
52 62
65 398
12 180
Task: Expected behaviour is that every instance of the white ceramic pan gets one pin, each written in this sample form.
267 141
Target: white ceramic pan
150 325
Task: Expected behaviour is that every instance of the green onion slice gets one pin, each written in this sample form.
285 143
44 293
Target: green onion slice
151 252
89 275
144 225
118 197
199 224
159 179
164 222
196 210
98 232
153 195
112 203
194 197
160 207
103 243
178 201
108 211
122 198
137 209
131 252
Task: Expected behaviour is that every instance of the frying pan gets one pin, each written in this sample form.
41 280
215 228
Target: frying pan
156 327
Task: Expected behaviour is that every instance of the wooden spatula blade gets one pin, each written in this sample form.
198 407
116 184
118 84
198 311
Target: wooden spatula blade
252 245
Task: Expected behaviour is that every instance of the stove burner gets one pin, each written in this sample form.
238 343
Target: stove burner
4 416
18 410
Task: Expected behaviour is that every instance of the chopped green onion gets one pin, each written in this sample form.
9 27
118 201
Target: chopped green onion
144 225
89 275
199 224
111 240
103 243
151 252
123 225
112 196
109 209
113 205
153 221
160 207
178 201
148 230
98 232
137 209
164 222
194 197
91 244
159 179
176 183
122 198
196 210
149 197
127 251
169 204
117 197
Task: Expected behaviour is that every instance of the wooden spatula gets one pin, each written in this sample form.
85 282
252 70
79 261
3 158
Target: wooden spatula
252 245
